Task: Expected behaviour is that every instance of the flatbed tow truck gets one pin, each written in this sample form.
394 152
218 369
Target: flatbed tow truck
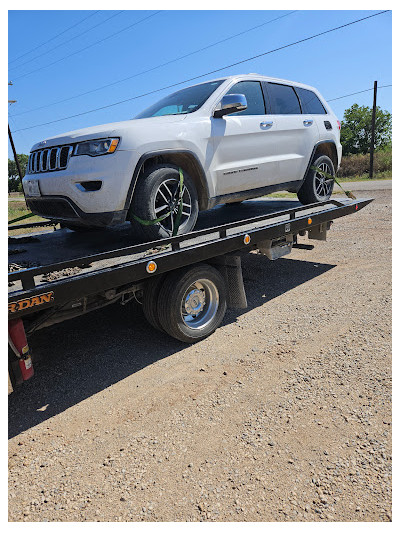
184 283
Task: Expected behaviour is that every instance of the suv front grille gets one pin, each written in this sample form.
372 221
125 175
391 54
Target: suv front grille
49 159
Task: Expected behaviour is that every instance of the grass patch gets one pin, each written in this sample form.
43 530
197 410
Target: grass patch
17 208
284 194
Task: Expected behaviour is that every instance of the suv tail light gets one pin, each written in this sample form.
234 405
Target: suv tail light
338 123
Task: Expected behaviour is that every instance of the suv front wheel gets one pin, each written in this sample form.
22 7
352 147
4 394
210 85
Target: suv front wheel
317 186
156 203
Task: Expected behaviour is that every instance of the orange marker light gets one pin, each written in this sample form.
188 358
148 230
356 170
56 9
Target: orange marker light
309 220
113 146
151 267
247 239
356 207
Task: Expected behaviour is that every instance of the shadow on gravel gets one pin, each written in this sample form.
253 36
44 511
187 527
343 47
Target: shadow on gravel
83 356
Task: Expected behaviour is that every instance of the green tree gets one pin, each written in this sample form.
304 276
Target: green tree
13 178
357 128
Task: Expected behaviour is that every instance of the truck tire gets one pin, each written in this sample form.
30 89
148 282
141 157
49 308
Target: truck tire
150 298
316 188
156 193
192 303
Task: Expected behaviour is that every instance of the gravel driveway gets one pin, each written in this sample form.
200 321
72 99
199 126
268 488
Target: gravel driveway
284 414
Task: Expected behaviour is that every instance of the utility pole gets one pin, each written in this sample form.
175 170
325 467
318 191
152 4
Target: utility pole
372 148
12 143
15 154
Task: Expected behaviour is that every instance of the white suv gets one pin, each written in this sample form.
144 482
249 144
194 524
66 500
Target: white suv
218 142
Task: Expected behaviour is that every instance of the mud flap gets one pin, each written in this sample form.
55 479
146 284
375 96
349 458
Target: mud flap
230 266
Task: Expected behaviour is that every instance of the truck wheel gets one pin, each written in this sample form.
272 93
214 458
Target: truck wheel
317 187
150 298
156 194
192 303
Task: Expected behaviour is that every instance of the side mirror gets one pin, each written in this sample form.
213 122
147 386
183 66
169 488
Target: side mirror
230 103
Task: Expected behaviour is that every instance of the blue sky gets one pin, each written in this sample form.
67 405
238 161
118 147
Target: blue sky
339 63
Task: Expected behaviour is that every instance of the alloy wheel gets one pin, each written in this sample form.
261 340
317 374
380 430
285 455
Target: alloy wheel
323 184
167 200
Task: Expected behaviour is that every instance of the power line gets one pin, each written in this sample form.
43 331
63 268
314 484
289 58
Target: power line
330 100
52 39
207 73
86 47
68 41
156 67
358 92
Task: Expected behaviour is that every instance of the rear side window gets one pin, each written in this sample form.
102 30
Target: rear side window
254 96
283 100
310 103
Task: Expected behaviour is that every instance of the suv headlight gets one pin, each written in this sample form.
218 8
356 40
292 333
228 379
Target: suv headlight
96 147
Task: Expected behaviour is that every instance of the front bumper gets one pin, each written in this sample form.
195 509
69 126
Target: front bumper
114 172
64 209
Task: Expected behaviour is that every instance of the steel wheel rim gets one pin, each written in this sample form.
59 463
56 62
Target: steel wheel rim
167 199
199 304
323 185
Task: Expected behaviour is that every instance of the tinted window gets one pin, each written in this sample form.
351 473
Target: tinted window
310 103
254 96
184 101
283 100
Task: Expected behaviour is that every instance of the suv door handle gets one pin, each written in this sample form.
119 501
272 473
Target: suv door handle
307 122
266 124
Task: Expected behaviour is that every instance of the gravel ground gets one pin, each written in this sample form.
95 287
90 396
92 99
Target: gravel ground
284 414
366 185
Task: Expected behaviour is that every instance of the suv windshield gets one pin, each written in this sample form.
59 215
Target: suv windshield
184 101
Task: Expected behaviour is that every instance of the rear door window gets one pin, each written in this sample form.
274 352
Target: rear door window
283 99
310 103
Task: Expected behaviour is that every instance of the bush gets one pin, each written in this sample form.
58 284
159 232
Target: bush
358 164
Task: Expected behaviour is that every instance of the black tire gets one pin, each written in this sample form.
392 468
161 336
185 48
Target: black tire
316 188
150 298
175 292
147 198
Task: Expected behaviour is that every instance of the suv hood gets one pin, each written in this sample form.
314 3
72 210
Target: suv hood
114 129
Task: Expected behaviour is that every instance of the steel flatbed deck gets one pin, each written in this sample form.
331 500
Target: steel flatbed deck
101 262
